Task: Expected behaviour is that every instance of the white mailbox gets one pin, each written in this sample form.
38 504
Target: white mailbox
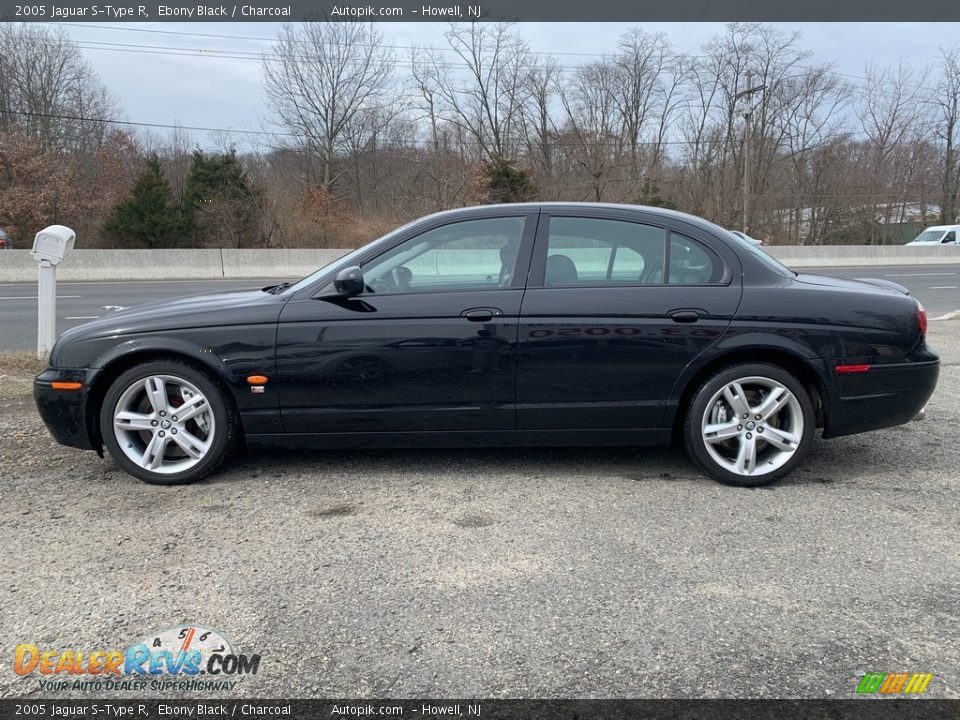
50 247
53 244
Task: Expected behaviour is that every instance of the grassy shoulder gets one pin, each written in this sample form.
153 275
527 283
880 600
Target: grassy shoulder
17 370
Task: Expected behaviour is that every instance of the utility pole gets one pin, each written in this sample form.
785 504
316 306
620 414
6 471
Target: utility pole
747 111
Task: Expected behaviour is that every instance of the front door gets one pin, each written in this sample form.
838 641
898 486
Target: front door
429 346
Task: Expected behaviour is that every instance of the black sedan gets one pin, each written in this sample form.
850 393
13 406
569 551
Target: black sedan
509 325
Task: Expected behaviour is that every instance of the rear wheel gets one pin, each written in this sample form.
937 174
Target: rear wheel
750 424
167 423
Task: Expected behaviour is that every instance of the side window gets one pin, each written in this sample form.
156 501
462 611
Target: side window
595 251
691 263
462 256
950 237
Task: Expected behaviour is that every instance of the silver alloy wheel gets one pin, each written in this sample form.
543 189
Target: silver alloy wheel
752 426
164 424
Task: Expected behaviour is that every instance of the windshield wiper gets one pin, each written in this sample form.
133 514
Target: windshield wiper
277 289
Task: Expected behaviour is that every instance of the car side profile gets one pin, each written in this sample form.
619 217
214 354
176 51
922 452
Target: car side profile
509 325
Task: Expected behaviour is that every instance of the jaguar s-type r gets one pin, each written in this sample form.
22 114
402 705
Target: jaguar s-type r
507 325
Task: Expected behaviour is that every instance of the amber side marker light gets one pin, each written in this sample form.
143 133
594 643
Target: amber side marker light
257 379
850 369
64 385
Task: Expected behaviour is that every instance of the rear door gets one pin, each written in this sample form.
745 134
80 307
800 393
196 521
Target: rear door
617 304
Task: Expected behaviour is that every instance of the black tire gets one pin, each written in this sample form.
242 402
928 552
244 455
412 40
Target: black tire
226 432
696 445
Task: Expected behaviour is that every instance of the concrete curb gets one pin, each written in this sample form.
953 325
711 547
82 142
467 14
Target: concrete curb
17 266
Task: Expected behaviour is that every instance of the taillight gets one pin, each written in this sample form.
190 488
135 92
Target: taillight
921 318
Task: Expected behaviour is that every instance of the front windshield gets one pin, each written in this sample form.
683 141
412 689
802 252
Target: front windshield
771 262
930 236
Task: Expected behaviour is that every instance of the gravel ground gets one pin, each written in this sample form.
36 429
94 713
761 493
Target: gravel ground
492 573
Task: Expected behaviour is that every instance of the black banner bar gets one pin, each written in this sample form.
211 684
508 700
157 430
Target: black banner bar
198 709
484 10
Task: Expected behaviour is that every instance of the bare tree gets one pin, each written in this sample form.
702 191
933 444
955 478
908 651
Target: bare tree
486 101
592 130
947 100
50 91
323 78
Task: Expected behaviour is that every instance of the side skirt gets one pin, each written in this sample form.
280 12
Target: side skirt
469 438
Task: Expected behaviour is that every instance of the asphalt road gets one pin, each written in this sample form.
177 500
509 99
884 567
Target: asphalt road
500 573
936 286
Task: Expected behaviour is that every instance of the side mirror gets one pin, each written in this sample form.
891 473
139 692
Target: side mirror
349 281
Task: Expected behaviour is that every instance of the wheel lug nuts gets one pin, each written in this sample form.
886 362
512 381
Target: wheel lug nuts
758 417
153 422
749 436
746 415
174 418
759 430
163 414
162 434
739 427
174 431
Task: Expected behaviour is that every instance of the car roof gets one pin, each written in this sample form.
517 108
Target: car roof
561 206
943 228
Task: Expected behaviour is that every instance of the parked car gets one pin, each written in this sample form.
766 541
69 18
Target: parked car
6 242
744 236
937 235
507 325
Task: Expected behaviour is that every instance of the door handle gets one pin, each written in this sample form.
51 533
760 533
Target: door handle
684 316
481 314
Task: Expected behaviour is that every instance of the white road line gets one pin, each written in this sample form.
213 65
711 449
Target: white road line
918 274
945 287
948 316
34 297
81 317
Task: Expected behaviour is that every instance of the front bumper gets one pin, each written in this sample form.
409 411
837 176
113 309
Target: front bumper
64 412
885 396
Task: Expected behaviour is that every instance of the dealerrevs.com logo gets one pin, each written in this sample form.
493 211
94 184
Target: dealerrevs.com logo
172 659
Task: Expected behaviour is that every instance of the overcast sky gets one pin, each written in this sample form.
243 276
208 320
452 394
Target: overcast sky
191 89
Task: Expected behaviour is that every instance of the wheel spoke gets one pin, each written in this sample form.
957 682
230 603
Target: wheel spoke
747 455
190 444
127 420
152 456
736 399
156 389
720 432
775 401
781 439
194 406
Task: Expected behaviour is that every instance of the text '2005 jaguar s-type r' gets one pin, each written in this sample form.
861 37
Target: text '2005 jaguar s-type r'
507 325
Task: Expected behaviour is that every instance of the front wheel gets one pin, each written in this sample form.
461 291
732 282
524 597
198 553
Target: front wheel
749 424
167 423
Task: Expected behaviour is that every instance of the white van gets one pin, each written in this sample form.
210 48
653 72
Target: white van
938 235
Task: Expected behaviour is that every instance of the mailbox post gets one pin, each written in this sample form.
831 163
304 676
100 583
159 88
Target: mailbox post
50 247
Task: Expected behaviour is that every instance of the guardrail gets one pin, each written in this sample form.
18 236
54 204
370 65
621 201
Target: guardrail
17 266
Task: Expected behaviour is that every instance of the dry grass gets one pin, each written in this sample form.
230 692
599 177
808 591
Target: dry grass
16 373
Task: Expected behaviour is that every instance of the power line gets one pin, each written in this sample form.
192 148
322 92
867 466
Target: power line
545 53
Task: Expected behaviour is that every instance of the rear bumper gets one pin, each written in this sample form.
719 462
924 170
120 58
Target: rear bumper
64 412
885 396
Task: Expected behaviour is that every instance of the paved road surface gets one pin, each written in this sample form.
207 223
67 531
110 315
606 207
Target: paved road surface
936 286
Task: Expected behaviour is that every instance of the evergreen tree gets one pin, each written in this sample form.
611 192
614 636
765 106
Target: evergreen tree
219 200
148 218
507 183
